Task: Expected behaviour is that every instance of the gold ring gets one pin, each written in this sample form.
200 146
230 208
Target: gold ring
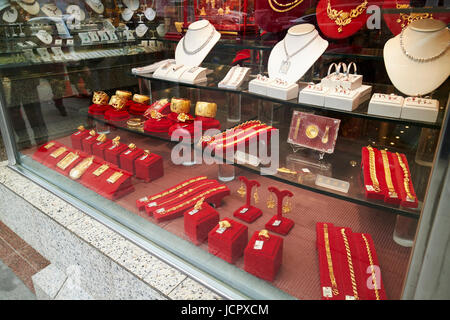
206 109
264 233
139 98
179 105
132 146
224 224
312 131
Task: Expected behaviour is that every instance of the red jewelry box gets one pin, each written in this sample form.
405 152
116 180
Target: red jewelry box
149 167
138 109
265 262
86 178
45 150
251 214
127 158
230 244
112 154
282 227
400 177
51 161
198 223
98 148
95 182
87 142
368 183
117 189
66 171
388 197
117 115
158 125
76 138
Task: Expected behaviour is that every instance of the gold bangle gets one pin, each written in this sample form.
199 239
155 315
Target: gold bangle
100 98
387 174
373 169
135 122
374 279
350 264
180 105
329 260
124 94
206 109
139 98
117 102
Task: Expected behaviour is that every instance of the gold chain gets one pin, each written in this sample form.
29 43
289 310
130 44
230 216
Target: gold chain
406 19
387 174
186 193
246 136
373 169
176 188
224 135
329 260
350 264
374 279
192 200
343 18
405 177
290 5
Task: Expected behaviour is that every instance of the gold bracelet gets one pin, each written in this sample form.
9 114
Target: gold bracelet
225 135
179 105
172 190
374 279
191 200
185 193
373 170
245 137
140 98
329 260
100 98
350 264
387 174
206 109
409 195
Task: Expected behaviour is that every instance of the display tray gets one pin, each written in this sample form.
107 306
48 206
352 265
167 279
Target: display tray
299 273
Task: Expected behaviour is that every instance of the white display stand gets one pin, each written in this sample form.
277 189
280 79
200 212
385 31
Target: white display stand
347 100
389 105
283 91
193 75
199 39
260 85
152 67
234 78
304 37
422 39
420 109
311 93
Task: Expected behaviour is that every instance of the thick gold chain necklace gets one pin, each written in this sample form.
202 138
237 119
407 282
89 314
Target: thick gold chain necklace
236 131
329 260
185 193
373 169
406 19
274 4
244 137
405 178
343 18
387 174
374 279
350 264
184 184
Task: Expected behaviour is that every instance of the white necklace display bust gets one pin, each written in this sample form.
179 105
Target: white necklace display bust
198 41
303 45
422 39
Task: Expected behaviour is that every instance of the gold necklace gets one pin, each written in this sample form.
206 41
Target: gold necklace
405 178
406 19
373 170
329 260
162 212
350 264
374 279
288 6
387 174
224 135
184 184
343 18
245 137
185 193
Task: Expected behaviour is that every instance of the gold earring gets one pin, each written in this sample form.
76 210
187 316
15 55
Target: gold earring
242 191
287 206
271 202
256 196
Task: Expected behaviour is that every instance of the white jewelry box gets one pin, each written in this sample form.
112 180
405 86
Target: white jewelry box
193 75
389 105
259 85
175 72
163 70
351 81
347 100
312 94
282 90
422 109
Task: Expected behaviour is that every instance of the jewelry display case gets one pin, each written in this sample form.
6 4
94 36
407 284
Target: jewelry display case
284 158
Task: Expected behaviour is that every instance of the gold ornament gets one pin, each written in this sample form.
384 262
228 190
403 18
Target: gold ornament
242 191
256 196
287 206
343 18
271 201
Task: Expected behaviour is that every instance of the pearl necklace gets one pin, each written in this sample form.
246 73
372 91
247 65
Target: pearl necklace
406 53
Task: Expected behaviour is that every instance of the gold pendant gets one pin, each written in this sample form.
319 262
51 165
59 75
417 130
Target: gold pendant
242 191
271 202
256 196
287 206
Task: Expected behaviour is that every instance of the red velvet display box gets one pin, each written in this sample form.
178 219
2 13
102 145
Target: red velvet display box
198 223
112 154
389 198
149 167
76 138
98 148
368 184
399 176
88 178
282 228
128 157
158 125
87 142
51 161
66 171
117 115
266 261
230 244
45 150
99 109
138 109
118 189
251 214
